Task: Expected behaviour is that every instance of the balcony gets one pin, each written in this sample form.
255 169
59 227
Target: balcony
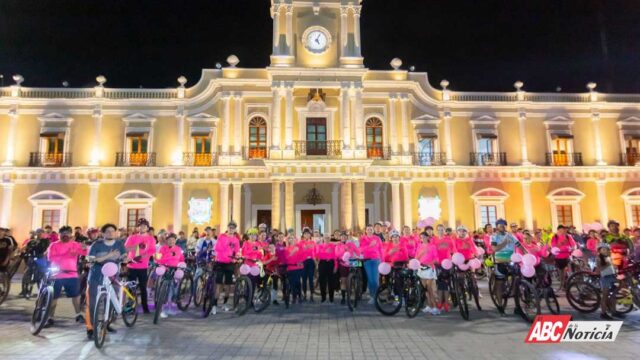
488 159
135 159
629 159
429 158
257 153
379 152
322 149
40 159
199 159
566 159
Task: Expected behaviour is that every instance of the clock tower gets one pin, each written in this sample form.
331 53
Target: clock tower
316 34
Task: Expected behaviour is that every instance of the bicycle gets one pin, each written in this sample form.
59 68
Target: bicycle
186 285
526 297
206 282
583 291
5 285
31 276
111 302
354 283
242 292
262 294
465 286
390 295
168 277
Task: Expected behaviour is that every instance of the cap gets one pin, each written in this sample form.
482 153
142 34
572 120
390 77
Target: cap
252 231
513 224
394 233
501 222
263 225
379 223
142 221
92 230
208 228
611 222
65 228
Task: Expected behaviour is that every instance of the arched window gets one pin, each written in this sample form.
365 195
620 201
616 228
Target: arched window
257 138
632 206
489 206
49 208
134 204
375 147
565 207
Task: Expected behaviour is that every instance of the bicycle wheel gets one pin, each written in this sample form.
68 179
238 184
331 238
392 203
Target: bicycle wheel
130 306
527 300
472 285
199 290
41 311
493 293
386 301
352 291
242 295
161 297
460 291
551 300
5 285
583 297
100 321
413 300
262 298
184 292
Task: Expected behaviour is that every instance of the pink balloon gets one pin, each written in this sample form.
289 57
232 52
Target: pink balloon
430 221
160 270
255 271
475 264
414 264
109 269
463 267
529 260
179 274
480 251
384 268
422 224
182 265
457 258
528 271
577 253
245 269
516 258
555 250
346 256
446 264
596 226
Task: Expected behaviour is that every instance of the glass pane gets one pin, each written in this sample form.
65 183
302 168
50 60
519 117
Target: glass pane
369 131
134 145
143 147
322 137
379 139
207 146
369 139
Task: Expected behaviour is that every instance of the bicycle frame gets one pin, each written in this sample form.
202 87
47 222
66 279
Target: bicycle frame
115 298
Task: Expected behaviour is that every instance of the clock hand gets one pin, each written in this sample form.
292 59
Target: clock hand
318 39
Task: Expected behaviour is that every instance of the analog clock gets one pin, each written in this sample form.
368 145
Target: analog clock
316 40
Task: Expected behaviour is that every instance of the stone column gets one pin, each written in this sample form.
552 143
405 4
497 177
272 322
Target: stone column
288 135
335 206
276 214
275 13
96 153
408 204
344 116
289 29
344 11
178 156
602 201
377 213
393 128
396 216
238 129
177 206
346 208
451 203
276 121
358 115
7 196
360 204
356 29
447 138
289 208
94 186
522 117
11 137
526 202
404 122
247 207
595 123
237 203
226 119
224 206
384 215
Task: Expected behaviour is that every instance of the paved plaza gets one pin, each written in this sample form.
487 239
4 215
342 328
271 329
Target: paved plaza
308 331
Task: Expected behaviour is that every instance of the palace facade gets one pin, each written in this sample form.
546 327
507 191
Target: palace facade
315 139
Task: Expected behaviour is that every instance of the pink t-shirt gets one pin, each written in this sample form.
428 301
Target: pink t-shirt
534 249
349 247
326 251
145 248
371 247
308 248
487 244
294 257
64 255
565 243
592 244
170 256
252 252
427 254
411 242
466 247
445 246
226 247
401 253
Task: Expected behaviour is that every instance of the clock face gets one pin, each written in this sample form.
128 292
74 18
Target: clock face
316 41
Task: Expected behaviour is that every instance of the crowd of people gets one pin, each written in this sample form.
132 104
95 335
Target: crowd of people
302 258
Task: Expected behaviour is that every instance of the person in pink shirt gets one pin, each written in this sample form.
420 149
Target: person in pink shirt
409 240
427 254
464 243
170 255
514 231
325 253
346 245
371 251
395 252
565 243
140 247
226 249
307 246
50 234
486 239
446 247
592 242
64 254
295 259
252 249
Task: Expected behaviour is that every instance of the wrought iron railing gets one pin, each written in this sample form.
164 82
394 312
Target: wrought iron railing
379 152
488 159
199 159
324 148
135 159
629 159
429 158
41 159
563 159
257 153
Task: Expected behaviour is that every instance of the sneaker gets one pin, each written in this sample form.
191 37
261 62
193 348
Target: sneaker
226 308
435 311
111 330
446 307
214 310
79 318
275 302
371 301
439 306
164 315
49 323
89 335
427 310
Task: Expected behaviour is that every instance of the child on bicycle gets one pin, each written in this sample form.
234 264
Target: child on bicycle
346 245
427 254
607 277
170 255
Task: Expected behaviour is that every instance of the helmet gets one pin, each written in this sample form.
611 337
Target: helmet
611 222
142 221
92 230
501 222
232 224
394 233
462 228
171 235
252 231
65 228
603 245
263 225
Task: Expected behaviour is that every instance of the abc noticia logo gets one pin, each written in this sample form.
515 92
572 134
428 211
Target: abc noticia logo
560 328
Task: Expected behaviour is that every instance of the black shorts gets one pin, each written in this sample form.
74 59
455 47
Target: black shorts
442 282
224 273
562 263
502 270
71 287
343 271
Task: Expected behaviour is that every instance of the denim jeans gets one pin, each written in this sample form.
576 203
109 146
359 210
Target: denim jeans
371 270
294 282
307 276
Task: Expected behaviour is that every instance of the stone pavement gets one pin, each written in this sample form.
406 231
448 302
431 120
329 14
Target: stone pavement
308 331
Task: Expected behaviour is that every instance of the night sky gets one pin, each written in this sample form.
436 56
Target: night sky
476 45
